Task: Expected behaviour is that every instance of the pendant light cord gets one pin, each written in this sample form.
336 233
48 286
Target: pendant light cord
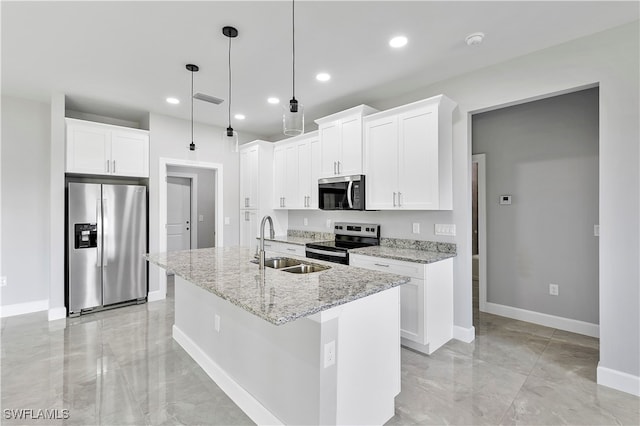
229 81
293 43
192 106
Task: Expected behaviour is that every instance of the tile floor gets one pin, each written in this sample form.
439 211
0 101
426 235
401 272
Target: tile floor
123 367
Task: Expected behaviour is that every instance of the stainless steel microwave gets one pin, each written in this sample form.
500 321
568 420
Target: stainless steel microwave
341 193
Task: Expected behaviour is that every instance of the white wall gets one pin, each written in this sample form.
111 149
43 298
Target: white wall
25 196
544 154
609 59
169 137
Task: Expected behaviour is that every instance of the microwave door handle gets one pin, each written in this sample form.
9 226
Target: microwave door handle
349 198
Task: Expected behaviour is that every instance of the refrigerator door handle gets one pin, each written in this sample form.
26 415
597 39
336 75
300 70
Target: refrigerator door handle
105 219
99 233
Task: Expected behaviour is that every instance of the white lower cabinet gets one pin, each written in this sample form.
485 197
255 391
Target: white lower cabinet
426 301
284 248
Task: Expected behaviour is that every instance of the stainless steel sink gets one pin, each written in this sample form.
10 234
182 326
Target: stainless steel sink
279 262
306 268
294 266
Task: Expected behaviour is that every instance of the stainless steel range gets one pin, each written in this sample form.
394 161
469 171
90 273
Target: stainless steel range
348 236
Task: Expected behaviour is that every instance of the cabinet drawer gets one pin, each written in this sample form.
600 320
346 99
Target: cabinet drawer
285 248
413 270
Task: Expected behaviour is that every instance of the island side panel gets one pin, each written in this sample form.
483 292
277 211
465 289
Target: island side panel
279 366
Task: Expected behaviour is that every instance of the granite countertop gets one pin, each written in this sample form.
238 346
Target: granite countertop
275 296
405 254
290 239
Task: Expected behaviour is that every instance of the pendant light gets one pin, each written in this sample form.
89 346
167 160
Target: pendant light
192 68
229 135
293 114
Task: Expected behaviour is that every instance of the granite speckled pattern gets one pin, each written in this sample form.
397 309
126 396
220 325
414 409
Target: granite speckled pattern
302 237
405 254
275 296
436 246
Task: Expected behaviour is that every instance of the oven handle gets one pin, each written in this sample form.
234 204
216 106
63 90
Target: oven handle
326 252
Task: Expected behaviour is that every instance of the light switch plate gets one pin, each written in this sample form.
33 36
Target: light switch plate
227 221
305 221
329 223
445 229
596 230
416 228
201 218
3 281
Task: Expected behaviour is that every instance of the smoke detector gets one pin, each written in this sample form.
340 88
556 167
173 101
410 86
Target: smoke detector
474 39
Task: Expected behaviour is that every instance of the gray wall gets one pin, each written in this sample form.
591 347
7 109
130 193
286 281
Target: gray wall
206 203
544 154
25 200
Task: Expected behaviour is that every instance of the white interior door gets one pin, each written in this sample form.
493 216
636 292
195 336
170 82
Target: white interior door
178 213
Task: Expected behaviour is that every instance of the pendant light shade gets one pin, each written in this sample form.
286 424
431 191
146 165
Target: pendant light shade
293 114
230 136
193 68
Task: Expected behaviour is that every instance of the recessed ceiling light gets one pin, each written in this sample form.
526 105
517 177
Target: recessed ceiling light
239 117
173 101
273 101
398 41
474 39
323 76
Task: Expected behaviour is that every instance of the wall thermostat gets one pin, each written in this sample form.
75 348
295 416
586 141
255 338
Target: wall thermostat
505 200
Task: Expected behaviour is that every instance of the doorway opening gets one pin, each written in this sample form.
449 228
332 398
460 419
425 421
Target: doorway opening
209 225
479 232
182 205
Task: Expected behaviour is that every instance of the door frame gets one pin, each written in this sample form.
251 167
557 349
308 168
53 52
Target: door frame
193 229
480 159
162 214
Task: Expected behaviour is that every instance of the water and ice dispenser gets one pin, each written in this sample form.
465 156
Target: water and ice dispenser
86 235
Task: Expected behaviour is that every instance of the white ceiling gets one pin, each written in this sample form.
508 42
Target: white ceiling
122 59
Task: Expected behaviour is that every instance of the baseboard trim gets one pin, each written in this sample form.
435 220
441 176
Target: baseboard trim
156 295
23 308
566 324
243 399
463 334
618 380
57 313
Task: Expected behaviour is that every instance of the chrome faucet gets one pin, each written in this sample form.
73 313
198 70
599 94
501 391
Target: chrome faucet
271 234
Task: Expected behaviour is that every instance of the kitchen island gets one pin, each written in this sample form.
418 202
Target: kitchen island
288 348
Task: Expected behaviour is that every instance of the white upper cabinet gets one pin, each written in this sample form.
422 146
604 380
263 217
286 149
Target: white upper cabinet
296 164
103 149
341 142
408 156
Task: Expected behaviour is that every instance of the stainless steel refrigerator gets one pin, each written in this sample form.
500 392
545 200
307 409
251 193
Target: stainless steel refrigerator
107 236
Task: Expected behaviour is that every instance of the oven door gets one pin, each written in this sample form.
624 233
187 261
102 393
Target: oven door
341 256
341 193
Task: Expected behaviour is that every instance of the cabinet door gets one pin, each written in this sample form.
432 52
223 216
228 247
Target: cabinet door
248 228
291 184
249 178
412 311
350 160
330 148
279 177
418 160
315 151
88 149
303 197
381 163
129 153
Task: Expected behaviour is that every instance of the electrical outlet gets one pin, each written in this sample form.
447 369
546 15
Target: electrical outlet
3 281
416 228
201 218
305 221
329 223
329 354
227 221
553 289
596 230
217 323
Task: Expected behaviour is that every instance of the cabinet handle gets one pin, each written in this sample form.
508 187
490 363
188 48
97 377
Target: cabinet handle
114 166
246 202
108 171
381 264
339 168
394 199
246 216
399 199
267 245
290 249
284 202
335 165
